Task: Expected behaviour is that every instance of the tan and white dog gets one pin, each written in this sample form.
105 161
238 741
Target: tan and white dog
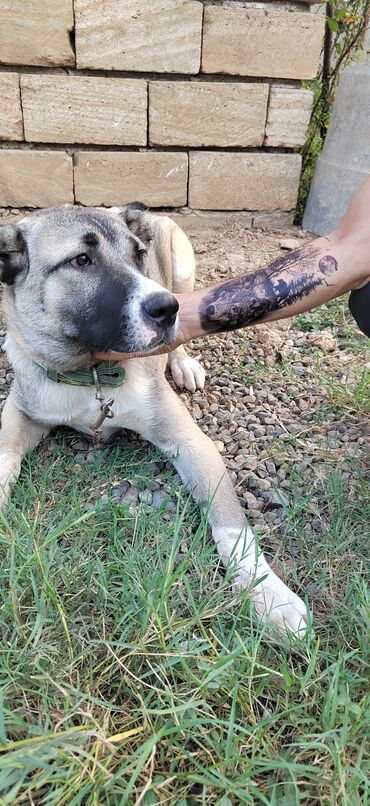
84 280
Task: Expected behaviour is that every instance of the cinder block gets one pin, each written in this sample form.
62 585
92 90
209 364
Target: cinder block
35 178
200 113
142 35
158 179
252 42
240 181
36 32
11 123
80 109
288 116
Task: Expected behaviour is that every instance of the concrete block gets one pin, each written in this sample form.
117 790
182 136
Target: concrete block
288 116
158 179
11 122
345 160
35 178
240 181
251 42
159 35
36 32
206 113
81 109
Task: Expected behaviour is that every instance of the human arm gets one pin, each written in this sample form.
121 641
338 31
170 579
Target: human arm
293 283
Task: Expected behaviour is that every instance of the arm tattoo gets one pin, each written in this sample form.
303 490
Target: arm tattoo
244 300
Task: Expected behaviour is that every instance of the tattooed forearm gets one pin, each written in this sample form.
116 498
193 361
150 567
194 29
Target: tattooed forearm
244 300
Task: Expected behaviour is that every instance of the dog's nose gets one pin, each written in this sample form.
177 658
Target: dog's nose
161 308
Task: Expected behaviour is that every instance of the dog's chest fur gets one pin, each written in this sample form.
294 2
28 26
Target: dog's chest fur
54 404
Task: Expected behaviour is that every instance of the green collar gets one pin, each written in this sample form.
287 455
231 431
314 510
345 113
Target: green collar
104 373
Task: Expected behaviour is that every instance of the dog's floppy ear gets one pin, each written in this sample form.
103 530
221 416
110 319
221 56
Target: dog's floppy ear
13 253
137 220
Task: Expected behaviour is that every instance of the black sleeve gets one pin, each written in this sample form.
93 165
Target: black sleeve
359 305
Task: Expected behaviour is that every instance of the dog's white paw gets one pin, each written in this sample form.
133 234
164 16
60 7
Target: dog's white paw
9 470
277 604
187 372
4 495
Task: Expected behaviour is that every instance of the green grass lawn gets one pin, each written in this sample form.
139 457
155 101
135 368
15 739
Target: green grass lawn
130 671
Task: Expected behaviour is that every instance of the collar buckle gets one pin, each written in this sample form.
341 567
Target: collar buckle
106 412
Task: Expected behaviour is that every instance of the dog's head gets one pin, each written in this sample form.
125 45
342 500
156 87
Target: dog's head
77 283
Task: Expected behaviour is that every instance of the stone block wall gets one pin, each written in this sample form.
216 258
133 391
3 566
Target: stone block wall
178 103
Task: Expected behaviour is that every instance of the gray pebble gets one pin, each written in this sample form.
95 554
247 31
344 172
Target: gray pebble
293 428
257 430
125 494
146 497
154 468
79 446
280 515
275 498
89 458
253 480
254 513
251 501
154 485
264 484
162 497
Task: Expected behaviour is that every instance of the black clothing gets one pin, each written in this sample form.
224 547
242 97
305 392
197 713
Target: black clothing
359 305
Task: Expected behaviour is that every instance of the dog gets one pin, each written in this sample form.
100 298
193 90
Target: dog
78 281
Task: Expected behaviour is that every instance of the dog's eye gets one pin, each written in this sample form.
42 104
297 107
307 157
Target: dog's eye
141 253
81 260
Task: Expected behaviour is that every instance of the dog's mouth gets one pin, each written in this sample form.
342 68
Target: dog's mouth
142 337
142 345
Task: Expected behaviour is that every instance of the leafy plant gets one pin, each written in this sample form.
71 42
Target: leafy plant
346 24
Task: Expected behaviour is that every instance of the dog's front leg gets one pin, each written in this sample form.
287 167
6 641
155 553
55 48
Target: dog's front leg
186 371
201 468
18 435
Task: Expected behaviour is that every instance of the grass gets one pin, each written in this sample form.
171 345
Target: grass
334 315
132 673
